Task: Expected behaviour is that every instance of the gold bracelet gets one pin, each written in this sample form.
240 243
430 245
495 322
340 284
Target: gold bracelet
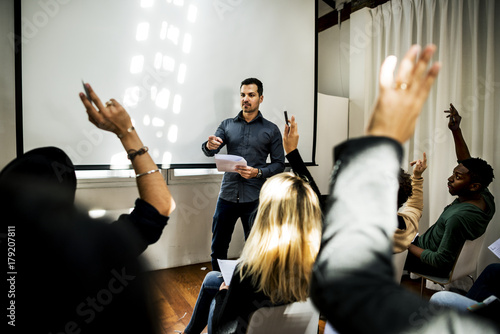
128 131
148 172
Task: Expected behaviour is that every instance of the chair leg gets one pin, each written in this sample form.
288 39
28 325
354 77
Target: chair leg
422 282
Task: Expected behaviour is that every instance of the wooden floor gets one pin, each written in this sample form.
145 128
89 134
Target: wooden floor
175 291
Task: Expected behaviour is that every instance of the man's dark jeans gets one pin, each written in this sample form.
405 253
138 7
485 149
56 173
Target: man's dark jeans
225 217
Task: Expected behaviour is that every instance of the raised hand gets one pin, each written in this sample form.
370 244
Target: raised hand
113 117
400 102
454 118
419 166
110 117
290 136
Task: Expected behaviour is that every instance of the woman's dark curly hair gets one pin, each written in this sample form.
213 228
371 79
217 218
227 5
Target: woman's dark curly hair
405 188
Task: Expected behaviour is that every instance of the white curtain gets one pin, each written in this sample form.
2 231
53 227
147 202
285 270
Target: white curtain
467 34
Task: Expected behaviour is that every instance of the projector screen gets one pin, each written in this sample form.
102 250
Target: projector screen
176 66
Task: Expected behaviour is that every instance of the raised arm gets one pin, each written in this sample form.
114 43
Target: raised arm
114 118
419 166
352 278
461 148
290 143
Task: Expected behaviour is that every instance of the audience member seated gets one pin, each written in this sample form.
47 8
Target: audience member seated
410 192
275 264
483 298
77 274
466 218
486 285
353 284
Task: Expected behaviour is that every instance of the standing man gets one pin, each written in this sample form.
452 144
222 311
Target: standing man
254 138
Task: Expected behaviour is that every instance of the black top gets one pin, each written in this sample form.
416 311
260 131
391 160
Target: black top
300 169
234 306
71 273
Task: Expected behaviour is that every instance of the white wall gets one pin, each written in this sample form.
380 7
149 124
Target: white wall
332 130
186 238
7 84
333 60
341 66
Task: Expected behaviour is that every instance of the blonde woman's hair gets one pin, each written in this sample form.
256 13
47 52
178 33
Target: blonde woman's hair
284 241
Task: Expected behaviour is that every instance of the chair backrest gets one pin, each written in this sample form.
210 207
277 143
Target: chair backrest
467 259
294 318
329 328
398 263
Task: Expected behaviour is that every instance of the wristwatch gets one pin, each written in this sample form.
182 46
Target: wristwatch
259 173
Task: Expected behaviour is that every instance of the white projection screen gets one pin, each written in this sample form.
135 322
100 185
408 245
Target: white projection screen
176 66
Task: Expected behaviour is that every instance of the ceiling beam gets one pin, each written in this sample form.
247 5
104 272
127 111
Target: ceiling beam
331 19
359 4
330 3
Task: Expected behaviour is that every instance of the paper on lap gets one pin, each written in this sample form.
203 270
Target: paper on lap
227 269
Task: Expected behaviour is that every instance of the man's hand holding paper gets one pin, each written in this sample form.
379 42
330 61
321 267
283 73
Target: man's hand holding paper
229 162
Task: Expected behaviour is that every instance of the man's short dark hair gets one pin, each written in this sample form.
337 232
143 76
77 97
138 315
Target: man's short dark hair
255 81
479 170
405 188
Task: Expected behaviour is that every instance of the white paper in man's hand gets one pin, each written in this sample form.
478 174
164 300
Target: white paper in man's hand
228 162
227 269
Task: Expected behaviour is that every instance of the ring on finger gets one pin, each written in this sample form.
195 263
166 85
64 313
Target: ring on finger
401 85
109 103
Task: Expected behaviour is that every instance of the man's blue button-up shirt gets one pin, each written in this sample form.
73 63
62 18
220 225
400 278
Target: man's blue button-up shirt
254 141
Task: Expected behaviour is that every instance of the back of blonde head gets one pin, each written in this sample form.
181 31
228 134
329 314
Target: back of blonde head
285 239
